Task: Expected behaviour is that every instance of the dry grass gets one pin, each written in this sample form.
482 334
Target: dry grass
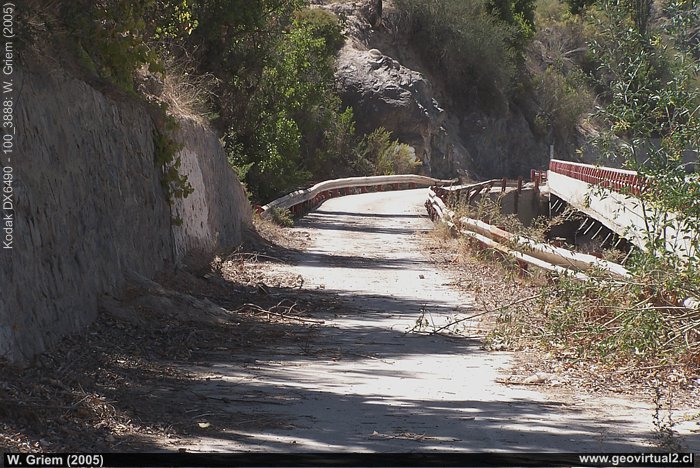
187 93
602 337
567 356
271 237
492 279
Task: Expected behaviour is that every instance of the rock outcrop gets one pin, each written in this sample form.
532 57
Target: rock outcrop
387 85
371 11
90 210
384 93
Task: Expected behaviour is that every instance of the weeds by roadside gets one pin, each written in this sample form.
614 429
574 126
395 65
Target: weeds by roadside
607 334
281 217
640 321
488 209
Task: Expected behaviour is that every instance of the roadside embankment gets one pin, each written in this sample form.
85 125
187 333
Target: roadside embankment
91 210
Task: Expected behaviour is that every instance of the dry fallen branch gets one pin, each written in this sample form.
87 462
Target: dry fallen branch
253 256
464 319
270 311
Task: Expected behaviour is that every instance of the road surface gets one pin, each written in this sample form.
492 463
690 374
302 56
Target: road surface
364 385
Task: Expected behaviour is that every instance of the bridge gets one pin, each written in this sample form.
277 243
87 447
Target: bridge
609 196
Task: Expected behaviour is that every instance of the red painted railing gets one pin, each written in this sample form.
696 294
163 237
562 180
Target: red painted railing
619 180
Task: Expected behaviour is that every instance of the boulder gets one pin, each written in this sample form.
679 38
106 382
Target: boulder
371 11
384 93
387 83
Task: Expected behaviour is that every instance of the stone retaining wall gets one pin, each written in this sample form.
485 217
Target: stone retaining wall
90 209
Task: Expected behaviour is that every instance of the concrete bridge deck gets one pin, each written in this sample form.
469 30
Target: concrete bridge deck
608 196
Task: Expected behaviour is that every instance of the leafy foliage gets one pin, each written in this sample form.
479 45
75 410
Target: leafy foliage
684 17
617 322
650 116
388 157
113 36
517 13
174 183
578 6
282 140
563 98
470 47
281 217
267 69
322 24
558 64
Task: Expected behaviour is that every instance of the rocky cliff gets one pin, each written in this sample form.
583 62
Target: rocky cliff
387 84
90 210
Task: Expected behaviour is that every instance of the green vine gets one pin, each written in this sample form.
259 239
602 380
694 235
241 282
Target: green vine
175 184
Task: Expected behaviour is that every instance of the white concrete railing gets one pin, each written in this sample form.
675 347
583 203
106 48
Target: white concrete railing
607 177
526 250
307 199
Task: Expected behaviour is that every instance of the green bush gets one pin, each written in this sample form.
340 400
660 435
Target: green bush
281 217
471 48
282 137
385 156
547 11
398 158
520 14
563 100
112 36
269 68
323 24
175 184
648 116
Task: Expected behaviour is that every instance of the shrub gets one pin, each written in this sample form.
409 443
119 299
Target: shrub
281 217
386 156
398 158
186 92
116 36
519 14
175 184
648 116
557 60
468 46
563 100
322 24
548 11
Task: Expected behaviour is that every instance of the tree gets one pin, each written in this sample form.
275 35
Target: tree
284 141
652 119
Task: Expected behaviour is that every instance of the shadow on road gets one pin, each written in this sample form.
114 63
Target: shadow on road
246 384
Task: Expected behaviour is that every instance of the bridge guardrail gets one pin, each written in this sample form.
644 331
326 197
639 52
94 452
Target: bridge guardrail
523 249
455 194
607 177
302 201
538 177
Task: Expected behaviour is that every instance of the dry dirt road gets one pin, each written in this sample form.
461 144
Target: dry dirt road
362 384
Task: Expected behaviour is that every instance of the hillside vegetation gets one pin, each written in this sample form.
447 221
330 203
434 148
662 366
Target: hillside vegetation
260 71
626 72
263 71
615 81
